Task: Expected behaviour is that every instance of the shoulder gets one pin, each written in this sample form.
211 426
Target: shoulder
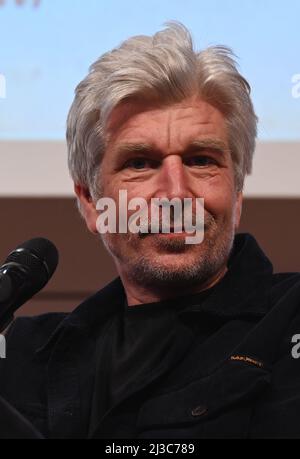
21 372
283 284
29 333
284 297
285 278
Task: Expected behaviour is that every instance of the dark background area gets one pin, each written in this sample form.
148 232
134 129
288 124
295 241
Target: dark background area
85 266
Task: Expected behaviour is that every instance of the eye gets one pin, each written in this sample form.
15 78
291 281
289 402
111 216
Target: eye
200 161
140 163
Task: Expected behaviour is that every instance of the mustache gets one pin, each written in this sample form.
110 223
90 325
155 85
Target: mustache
172 224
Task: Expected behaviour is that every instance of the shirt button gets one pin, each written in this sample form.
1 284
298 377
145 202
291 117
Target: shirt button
199 411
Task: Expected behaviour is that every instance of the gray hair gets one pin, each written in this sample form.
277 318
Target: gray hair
163 68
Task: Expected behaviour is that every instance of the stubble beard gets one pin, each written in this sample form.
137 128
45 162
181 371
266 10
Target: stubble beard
148 271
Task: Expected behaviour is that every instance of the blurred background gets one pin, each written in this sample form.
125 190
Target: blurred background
46 49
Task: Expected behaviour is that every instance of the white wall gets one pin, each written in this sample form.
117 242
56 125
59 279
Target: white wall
40 169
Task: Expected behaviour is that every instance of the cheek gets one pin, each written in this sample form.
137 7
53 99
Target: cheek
220 203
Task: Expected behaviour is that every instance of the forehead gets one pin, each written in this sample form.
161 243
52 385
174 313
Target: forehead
163 126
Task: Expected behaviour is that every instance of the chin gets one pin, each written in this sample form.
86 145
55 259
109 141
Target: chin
166 275
174 259
171 262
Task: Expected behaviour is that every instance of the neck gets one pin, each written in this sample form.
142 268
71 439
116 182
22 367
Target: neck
137 294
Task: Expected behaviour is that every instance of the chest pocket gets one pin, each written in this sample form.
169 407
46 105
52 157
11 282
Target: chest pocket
216 406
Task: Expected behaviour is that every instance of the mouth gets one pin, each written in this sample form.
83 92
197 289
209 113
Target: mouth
171 233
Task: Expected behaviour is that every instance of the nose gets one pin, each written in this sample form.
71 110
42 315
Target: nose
172 179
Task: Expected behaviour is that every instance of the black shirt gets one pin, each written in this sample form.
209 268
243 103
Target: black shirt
140 343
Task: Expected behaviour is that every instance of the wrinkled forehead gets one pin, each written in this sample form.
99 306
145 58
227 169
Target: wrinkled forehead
187 119
126 110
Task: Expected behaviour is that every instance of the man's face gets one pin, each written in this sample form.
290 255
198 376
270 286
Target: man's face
178 151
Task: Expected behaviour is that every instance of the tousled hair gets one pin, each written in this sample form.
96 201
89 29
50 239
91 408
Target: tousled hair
164 68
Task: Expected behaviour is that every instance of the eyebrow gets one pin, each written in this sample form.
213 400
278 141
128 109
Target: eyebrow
211 144
144 148
124 149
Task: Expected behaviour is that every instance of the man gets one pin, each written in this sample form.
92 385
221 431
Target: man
191 340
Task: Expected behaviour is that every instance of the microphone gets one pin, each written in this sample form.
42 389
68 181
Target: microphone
25 272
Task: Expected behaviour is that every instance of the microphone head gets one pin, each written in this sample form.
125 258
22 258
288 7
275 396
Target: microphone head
39 256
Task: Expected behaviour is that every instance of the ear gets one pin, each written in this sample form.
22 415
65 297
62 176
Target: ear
238 209
87 207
